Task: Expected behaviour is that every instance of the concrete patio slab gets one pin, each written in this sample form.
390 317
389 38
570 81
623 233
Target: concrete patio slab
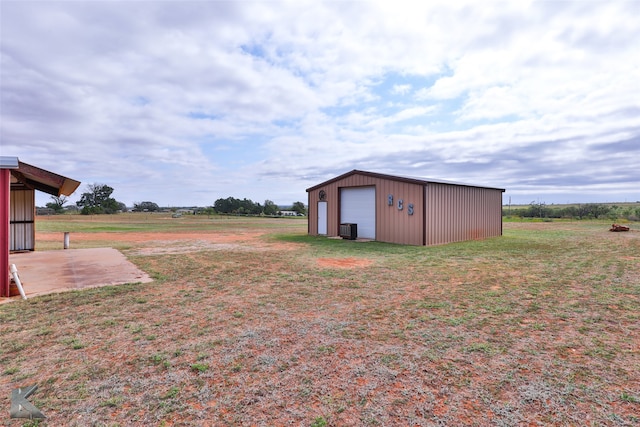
57 271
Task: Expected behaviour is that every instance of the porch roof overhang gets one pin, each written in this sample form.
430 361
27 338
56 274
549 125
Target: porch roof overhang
34 178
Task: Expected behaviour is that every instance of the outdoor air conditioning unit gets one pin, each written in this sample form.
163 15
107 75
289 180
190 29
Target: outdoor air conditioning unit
349 231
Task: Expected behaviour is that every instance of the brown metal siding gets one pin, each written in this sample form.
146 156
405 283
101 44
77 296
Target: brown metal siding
332 211
394 225
22 220
457 213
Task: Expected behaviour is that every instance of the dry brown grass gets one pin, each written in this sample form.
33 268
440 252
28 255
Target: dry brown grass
539 327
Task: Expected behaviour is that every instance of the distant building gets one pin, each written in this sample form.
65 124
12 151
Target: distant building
45 211
186 211
404 210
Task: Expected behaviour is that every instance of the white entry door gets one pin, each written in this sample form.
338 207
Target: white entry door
322 218
358 206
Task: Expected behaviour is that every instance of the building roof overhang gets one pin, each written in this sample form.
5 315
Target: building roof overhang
34 178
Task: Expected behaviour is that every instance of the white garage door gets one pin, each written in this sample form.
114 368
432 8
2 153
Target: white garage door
358 206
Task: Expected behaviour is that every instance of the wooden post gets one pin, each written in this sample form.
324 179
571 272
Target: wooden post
5 198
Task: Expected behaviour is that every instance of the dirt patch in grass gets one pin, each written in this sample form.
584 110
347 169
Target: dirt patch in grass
138 237
177 242
344 262
538 327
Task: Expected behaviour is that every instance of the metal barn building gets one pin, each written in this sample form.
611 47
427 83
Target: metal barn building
410 211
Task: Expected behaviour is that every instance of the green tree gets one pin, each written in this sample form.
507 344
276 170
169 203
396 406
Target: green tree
58 203
270 208
300 208
228 205
237 206
145 207
98 200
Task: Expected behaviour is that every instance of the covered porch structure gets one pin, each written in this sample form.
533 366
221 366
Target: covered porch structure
18 183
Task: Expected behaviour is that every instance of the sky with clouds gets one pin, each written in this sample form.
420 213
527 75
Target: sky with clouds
185 102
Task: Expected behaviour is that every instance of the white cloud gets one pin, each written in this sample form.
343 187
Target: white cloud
143 94
401 89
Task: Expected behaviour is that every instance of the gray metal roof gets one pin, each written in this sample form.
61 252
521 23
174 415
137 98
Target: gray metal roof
413 180
8 162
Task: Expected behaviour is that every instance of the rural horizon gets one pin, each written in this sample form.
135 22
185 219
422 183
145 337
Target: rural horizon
43 202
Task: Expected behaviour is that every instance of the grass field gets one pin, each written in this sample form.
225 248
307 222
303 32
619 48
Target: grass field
252 322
